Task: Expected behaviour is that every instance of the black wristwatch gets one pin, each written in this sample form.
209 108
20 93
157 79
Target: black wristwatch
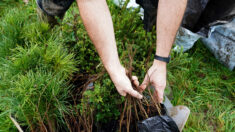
164 59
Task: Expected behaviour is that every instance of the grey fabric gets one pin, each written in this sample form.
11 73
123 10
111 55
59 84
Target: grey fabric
221 42
185 39
54 7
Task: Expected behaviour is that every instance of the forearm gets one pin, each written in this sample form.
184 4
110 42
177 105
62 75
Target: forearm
98 23
169 17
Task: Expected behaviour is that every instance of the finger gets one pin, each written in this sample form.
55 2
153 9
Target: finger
135 81
134 93
159 94
134 78
144 83
122 93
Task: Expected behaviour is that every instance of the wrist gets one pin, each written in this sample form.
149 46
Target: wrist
116 74
159 63
162 53
115 69
163 59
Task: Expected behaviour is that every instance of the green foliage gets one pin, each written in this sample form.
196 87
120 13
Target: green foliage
51 57
51 92
34 71
10 27
78 42
6 124
104 100
36 32
5 4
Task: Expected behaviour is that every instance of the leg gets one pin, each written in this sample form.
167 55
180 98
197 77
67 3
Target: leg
26 1
52 20
49 11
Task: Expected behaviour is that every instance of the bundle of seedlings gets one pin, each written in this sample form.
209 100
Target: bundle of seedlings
135 110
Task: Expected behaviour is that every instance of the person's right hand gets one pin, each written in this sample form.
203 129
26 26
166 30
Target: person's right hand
123 83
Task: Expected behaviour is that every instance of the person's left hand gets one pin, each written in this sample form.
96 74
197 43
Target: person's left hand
156 75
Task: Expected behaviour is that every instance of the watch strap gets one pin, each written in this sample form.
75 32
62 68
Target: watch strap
164 59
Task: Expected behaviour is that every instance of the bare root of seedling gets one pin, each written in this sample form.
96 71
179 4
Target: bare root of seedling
135 110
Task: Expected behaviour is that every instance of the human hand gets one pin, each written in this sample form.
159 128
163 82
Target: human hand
123 83
156 75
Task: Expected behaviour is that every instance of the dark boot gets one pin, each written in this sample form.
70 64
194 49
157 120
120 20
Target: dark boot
52 11
51 20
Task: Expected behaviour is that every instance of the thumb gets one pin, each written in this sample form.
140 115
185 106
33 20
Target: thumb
144 83
134 93
122 93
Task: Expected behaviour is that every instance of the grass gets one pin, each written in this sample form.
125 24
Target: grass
35 58
207 88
